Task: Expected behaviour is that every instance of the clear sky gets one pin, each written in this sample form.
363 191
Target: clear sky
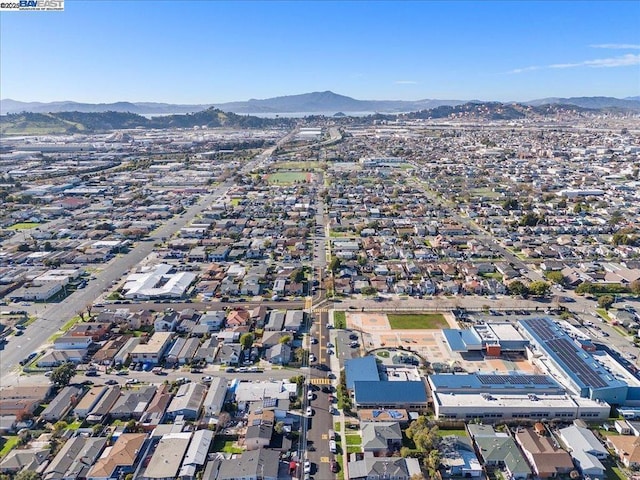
217 51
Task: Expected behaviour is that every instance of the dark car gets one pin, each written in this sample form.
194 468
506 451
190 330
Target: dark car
335 467
326 389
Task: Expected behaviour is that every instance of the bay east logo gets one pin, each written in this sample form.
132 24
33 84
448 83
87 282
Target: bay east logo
33 5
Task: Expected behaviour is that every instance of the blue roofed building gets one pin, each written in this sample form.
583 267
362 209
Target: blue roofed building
361 369
579 369
380 394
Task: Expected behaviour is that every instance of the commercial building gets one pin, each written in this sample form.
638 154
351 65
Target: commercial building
162 281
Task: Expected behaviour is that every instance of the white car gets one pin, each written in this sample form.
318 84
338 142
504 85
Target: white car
309 412
312 358
131 381
309 395
307 466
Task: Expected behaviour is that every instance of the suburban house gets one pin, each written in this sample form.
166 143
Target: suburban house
187 401
120 459
62 403
381 437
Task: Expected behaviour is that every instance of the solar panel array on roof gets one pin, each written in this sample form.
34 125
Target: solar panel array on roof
557 342
514 380
566 351
541 327
269 402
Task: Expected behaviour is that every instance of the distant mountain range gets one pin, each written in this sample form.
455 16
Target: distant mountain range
316 102
28 123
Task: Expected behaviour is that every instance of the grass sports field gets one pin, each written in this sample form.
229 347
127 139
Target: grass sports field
417 321
287 177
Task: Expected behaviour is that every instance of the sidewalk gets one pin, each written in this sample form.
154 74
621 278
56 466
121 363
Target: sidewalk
335 368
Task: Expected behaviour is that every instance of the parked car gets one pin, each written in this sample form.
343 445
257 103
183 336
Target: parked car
309 412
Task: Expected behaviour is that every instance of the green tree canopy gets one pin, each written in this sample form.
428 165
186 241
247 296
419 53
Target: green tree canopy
27 475
62 375
518 288
586 287
539 288
555 277
605 301
246 340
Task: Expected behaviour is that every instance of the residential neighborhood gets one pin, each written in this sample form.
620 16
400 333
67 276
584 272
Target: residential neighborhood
351 298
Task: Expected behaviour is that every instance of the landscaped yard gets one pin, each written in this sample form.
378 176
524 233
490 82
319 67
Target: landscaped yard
23 226
8 443
353 439
226 446
417 321
457 433
614 473
339 320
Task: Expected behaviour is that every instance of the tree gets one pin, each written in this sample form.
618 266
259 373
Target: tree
555 277
530 219
334 264
279 428
246 340
539 288
510 204
285 339
300 354
223 420
635 287
59 427
586 287
605 301
27 475
62 375
518 288
432 462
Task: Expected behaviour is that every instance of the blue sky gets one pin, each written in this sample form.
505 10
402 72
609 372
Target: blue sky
217 51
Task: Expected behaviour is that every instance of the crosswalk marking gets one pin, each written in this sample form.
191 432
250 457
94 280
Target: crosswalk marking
324 459
325 436
320 381
320 310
